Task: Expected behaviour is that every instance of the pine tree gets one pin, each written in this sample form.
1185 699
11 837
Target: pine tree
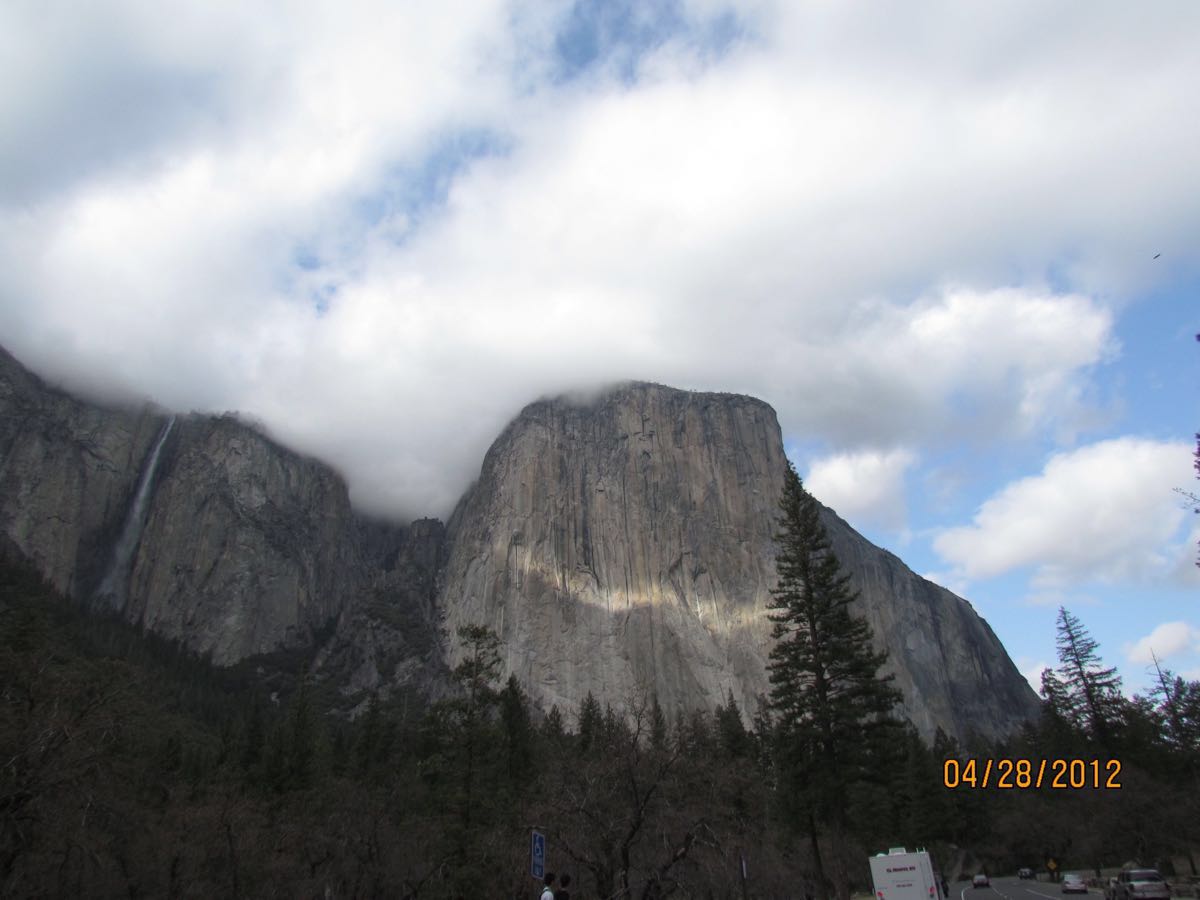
518 732
731 730
1059 723
480 667
591 722
923 808
1092 693
1179 710
477 673
828 700
695 734
1176 699
553 728
612 728
945 747
303 736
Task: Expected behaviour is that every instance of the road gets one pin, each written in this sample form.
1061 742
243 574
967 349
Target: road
1017 889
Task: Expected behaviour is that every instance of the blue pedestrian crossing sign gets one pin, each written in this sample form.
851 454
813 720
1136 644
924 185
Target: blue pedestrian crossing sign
537 856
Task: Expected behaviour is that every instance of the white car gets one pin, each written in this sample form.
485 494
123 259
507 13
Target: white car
1073 883
980 880
1141 884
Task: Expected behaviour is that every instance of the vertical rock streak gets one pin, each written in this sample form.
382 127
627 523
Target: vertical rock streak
115 586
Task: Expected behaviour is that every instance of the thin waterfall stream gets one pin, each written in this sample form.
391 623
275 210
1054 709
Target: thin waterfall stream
114 588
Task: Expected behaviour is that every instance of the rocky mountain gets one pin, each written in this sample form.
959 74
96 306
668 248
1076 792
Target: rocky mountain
207 531
618 545
627 543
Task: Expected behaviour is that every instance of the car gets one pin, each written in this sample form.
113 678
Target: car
1024 873
1141 884
1073 883
980 880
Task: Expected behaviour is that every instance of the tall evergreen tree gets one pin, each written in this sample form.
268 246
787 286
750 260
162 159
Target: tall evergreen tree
591 723
1091 692
946 747
926 809
731 730
1179 710
1059 724
480 667
1173 694
828 699
553 728
518 731
477 673
304 726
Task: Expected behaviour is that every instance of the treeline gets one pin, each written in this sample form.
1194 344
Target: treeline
1148 745
132 769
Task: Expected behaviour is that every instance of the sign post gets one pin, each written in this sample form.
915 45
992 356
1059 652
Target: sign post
537 856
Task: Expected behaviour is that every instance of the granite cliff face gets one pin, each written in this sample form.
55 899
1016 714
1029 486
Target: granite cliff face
950 666
68 470
245 546
205 530
627 544
622 544
619 545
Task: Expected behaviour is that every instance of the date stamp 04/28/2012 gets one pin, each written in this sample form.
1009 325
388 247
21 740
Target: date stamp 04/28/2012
1023 774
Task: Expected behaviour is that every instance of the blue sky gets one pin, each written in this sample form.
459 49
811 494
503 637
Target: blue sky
925 235
1146 391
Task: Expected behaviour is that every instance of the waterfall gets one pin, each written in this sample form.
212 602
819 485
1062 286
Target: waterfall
114 588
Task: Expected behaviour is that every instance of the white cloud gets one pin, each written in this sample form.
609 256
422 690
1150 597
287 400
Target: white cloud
1104 512
1056 598
1185 572
1168 639
963 362
865 486
853 214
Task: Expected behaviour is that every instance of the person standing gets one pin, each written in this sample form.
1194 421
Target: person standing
562 893
548 889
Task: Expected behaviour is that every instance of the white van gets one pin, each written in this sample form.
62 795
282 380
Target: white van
901 875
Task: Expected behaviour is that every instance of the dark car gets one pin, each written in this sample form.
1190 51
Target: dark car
980 880
1073 883
1024 873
